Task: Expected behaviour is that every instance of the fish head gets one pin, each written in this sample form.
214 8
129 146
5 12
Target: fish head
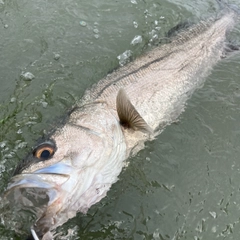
72 170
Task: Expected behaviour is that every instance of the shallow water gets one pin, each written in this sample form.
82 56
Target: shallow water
183 185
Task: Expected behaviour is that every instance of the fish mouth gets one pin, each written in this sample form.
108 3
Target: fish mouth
34 195
49 179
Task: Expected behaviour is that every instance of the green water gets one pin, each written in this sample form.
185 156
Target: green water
183 185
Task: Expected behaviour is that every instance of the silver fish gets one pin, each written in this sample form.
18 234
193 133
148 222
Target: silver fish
76 166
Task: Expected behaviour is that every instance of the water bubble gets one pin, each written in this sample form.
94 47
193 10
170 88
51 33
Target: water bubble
125 57
135 24
214 229
2 168
148 159
2 144
27 76
83 23
95 30
137 39
133 1
21 145
30 123
96 36
10 155
19 131
13 99
44 104
79 63
5 26
146 13
56 56
153 35
33 118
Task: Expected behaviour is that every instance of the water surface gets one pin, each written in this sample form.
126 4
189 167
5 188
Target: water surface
183 185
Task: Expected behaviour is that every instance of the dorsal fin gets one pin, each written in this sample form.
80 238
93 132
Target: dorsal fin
128 115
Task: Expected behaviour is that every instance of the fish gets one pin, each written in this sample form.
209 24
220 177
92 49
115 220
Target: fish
74 166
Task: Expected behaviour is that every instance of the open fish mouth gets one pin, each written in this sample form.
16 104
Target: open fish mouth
30 195
31 183
42 187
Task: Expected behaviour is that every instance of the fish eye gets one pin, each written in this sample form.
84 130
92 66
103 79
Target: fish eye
44 151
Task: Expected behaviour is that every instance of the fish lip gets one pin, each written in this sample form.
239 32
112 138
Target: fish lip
32 181
59 168
27 180
38 178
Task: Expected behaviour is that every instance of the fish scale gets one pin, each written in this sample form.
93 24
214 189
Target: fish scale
114 119
167 71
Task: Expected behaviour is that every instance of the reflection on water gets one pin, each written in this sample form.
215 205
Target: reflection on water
183 185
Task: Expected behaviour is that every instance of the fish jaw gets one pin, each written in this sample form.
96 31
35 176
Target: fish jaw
49 178
33 181
42 192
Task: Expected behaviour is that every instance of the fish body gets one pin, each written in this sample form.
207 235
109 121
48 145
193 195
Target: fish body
80 161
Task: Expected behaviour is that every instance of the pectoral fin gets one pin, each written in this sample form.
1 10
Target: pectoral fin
128 115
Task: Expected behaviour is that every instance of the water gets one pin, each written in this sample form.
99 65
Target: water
183 185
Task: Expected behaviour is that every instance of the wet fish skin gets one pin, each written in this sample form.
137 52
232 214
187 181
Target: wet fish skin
159 82
79 170
92 146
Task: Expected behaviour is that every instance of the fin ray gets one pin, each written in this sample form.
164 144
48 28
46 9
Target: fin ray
128 115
